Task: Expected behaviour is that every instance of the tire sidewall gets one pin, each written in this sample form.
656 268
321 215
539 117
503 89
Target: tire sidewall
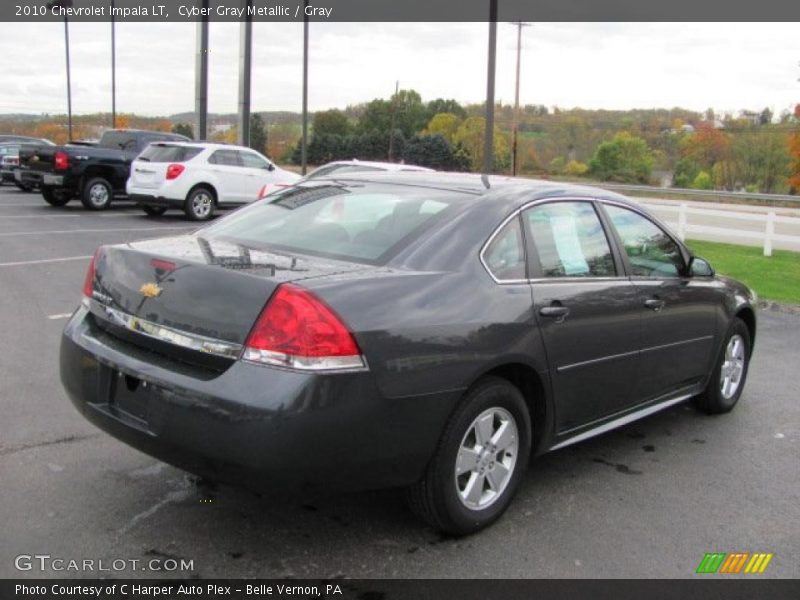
722 404
86 197
492 393
188 209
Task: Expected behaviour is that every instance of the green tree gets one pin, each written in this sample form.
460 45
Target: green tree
702 181
626 158
440 105
444 124
434 151
331 122
258 133
183 129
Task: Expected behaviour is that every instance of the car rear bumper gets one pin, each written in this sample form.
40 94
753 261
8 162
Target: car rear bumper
251 424
144 199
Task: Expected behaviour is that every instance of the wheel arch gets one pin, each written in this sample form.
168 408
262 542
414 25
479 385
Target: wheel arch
533 389
210 187
748 315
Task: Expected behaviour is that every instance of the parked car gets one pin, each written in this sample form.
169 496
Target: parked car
199 177
95 173
10 159
382 330
345 167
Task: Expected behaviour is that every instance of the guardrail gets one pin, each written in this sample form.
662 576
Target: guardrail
719 194
767 236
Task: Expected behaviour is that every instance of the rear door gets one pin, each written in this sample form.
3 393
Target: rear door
588 311
678 312
226 165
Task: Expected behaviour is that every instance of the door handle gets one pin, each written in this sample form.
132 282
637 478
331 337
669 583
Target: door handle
654 304
554 311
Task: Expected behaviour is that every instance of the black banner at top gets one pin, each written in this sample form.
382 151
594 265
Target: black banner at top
398 10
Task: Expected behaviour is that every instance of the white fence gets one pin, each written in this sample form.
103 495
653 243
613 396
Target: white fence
766 235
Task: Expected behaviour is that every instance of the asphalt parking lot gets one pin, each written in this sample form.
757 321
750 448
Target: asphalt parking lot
648 500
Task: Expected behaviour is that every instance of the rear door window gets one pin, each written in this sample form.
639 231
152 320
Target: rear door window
228 158
569 240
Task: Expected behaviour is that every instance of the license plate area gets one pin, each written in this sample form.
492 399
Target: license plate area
130 395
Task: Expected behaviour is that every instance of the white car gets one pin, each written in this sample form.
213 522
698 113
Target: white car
199 177
341 167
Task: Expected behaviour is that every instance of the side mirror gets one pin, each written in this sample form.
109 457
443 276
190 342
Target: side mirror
700 267
270 167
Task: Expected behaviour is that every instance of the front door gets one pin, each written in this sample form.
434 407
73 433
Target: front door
588 312
678 311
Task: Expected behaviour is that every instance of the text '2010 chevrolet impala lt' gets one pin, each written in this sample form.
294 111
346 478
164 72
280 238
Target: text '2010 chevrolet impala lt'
429 331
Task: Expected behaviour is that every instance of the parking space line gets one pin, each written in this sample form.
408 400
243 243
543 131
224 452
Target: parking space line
43 261
68 231
59 316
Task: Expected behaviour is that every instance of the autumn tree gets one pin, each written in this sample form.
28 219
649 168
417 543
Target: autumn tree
470 136
794 153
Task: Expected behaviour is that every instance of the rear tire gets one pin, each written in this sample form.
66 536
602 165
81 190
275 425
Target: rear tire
730 372
154 211
479 463
200 204
97 194
55 197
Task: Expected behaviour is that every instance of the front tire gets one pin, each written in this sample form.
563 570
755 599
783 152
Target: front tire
97 194
55 197
199 205
479 463
730 372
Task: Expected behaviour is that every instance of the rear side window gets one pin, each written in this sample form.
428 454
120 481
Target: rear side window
505 254
365 223
159 153
570 240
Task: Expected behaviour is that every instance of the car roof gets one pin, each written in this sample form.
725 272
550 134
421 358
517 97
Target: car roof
391 166
513 190
201 144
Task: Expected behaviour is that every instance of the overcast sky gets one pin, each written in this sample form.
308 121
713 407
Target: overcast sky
727 66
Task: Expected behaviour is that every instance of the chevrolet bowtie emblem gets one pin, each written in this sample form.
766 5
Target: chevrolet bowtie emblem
150 290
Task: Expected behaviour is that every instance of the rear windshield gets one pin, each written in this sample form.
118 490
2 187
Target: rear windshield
362 222
159 153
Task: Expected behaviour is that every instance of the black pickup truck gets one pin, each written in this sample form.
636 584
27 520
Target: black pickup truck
93 173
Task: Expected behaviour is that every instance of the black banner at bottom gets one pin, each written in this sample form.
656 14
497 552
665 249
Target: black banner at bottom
393 589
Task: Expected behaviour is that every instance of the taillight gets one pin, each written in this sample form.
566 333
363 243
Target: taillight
88 282
61 161
173 171
298 330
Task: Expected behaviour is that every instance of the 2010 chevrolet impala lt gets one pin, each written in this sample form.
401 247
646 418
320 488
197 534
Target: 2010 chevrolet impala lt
431 331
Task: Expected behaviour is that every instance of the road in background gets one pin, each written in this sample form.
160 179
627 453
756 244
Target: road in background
648 500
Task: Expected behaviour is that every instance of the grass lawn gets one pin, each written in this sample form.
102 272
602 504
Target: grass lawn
775 277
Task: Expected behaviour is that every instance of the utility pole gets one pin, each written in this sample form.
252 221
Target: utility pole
201 75
113 69
66 4
488 140
304 146
394 111
515 125
245 73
